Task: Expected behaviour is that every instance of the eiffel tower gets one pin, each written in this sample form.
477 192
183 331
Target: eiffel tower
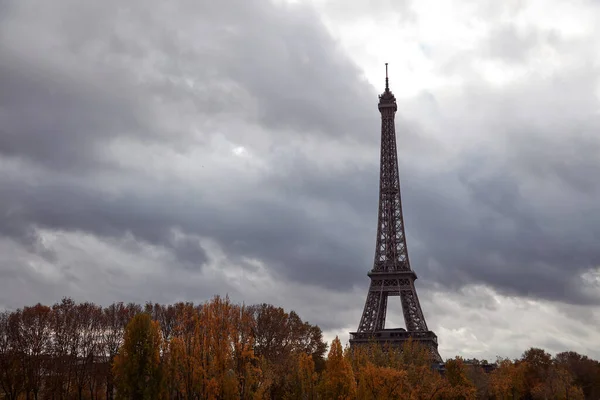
391 274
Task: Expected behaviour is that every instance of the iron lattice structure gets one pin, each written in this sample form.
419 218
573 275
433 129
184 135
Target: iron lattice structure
391 274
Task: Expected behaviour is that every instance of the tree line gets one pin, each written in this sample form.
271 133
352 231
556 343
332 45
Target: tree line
373 372
71 351
221 350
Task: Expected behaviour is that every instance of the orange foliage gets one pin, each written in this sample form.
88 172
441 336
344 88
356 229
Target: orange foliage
423 381
508 380
338 379
459 385
220 350
381 383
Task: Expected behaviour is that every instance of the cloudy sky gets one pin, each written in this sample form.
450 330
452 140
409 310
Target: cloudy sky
171 151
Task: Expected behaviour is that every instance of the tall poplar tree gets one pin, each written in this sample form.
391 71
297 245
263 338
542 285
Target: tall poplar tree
137 367
338 379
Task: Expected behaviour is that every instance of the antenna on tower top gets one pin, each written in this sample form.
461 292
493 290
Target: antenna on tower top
387 86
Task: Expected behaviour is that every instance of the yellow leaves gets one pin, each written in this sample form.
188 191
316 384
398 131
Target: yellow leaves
306 370
301 379
381 383
459 385
391 372
137 368
558 384
338 378
508 380
211 352
220 350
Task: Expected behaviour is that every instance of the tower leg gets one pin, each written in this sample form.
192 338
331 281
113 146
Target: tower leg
373 317
411 308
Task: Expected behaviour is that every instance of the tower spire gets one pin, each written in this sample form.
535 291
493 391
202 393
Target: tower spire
387 82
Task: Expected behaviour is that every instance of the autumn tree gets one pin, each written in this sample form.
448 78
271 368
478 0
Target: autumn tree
379 371
537 366
480 378
459 386
302 379
185 353
585 371
338 378
220 350
279 336
423 382
413 363
211 352
137 368
245 360
508 381
558 385
116 317
215 331
381 383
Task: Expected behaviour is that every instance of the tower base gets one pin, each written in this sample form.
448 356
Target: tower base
397 337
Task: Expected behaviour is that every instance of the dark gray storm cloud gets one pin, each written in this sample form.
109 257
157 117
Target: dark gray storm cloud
109 115
66 109
527 222
82 85
56 120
